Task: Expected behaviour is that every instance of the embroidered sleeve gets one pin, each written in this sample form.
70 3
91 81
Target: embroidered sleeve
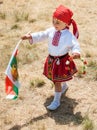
75 45
39 36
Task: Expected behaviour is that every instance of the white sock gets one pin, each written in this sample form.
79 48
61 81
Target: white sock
63 84
57 97
64 87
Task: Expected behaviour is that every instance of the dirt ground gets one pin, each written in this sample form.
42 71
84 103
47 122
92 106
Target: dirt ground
29 111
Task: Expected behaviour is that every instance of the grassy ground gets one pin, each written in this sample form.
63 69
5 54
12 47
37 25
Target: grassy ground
78 110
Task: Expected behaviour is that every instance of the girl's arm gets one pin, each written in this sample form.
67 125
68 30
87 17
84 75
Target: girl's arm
37 36
75 49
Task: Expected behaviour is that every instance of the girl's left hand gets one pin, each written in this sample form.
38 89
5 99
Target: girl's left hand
27 36
74 56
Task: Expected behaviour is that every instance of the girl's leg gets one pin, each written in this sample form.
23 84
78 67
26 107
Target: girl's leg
57 86
57 96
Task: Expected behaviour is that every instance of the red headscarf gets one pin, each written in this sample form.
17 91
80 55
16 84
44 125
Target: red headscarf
64 14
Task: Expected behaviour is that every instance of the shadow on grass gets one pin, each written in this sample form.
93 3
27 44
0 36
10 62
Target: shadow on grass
63 115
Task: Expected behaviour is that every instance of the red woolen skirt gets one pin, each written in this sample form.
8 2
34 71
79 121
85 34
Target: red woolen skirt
59 69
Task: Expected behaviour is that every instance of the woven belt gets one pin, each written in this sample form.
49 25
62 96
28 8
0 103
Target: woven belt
60 57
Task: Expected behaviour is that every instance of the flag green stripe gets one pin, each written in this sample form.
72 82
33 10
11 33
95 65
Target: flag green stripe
15 97
15 89
14 61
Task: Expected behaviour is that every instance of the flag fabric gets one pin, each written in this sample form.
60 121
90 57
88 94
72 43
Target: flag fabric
12 78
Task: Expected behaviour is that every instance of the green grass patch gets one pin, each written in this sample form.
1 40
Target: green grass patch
2 15
87 123
37 83
21 16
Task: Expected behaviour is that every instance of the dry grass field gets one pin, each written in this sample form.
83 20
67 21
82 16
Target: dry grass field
78 110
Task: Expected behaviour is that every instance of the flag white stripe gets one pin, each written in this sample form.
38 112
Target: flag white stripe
10 96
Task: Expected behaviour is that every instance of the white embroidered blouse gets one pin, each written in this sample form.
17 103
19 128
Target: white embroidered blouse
67 41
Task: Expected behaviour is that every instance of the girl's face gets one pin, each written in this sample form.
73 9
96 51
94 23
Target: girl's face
59 25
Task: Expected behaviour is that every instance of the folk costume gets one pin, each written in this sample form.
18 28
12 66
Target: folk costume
58 67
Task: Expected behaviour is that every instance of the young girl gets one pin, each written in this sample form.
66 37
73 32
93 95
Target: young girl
59 65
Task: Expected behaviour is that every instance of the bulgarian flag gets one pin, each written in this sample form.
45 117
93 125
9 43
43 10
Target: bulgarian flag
11 81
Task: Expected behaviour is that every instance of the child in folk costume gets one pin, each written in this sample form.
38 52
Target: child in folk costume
59 65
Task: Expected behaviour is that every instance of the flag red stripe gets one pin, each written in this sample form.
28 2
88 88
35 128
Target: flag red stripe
9 86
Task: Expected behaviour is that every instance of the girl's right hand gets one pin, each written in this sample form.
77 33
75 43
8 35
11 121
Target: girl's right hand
27 36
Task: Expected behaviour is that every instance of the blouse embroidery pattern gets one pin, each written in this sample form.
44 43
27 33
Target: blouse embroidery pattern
56 38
